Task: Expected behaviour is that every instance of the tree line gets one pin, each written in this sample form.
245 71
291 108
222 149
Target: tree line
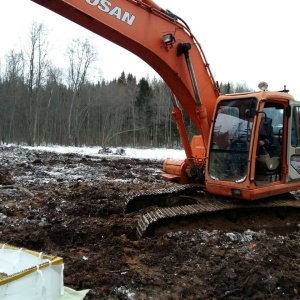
42 104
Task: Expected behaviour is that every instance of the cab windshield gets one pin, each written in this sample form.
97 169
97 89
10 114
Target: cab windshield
229 148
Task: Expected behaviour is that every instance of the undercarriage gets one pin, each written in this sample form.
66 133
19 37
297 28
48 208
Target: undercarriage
179 208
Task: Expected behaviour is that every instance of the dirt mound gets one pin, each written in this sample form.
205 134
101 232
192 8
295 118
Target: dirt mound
73 206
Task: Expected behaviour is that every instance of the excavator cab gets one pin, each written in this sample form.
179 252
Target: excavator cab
231 140
254 146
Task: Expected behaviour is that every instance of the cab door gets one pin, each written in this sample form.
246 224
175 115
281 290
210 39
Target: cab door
293 143
269 154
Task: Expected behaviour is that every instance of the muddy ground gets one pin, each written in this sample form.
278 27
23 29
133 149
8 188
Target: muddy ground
73 206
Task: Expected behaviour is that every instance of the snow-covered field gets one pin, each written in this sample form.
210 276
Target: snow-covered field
147 153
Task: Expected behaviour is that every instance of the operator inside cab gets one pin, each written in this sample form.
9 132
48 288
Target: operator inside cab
266 139
267 168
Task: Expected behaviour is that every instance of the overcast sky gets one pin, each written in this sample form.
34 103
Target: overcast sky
244 41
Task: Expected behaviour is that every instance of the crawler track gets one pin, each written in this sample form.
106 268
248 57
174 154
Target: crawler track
170 196
183 208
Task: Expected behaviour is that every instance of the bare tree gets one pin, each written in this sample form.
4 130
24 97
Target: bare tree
161 103
52 107
14 77
81 54
38 64
130 91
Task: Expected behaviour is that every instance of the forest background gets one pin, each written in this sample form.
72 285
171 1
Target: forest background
43 104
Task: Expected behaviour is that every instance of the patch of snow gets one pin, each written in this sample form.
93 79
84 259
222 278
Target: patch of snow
147 153
126 292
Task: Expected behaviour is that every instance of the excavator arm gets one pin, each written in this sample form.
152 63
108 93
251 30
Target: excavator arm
160 39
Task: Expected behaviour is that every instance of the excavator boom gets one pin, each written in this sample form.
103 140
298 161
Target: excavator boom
153 34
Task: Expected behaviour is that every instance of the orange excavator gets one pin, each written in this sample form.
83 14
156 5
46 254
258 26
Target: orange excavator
248 146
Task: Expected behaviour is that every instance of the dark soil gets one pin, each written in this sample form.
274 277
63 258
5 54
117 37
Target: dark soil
73 206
